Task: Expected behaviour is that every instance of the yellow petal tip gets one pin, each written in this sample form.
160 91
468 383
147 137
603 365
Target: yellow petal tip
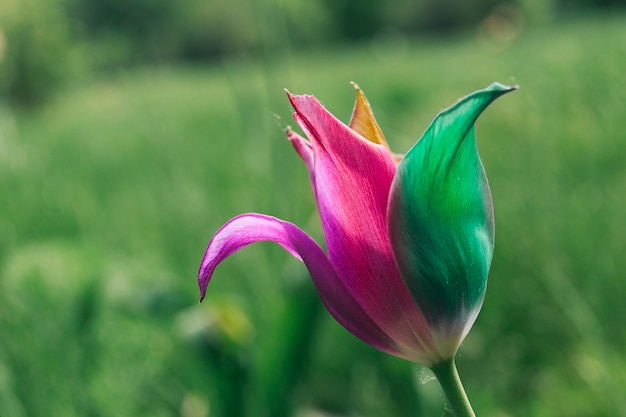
363 121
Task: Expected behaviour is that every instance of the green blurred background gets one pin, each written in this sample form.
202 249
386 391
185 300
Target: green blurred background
131 130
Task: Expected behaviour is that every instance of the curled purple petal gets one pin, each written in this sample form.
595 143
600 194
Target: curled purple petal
251 227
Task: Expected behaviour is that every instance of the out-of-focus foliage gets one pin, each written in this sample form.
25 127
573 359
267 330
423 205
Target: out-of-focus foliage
578 5
46 43
196 29
37 49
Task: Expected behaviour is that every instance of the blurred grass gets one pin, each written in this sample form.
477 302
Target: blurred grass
111 192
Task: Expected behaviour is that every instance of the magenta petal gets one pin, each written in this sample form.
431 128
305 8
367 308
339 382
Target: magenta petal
249 228
302 146
352 179
304 149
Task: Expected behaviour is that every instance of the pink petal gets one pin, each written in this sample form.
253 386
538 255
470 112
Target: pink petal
352 178
249 228
302 146
304 149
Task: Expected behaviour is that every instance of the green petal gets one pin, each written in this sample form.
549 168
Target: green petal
440 218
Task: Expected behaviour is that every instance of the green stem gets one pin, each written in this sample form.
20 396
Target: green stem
452 387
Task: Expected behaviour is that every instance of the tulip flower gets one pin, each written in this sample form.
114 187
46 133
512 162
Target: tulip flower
409 239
